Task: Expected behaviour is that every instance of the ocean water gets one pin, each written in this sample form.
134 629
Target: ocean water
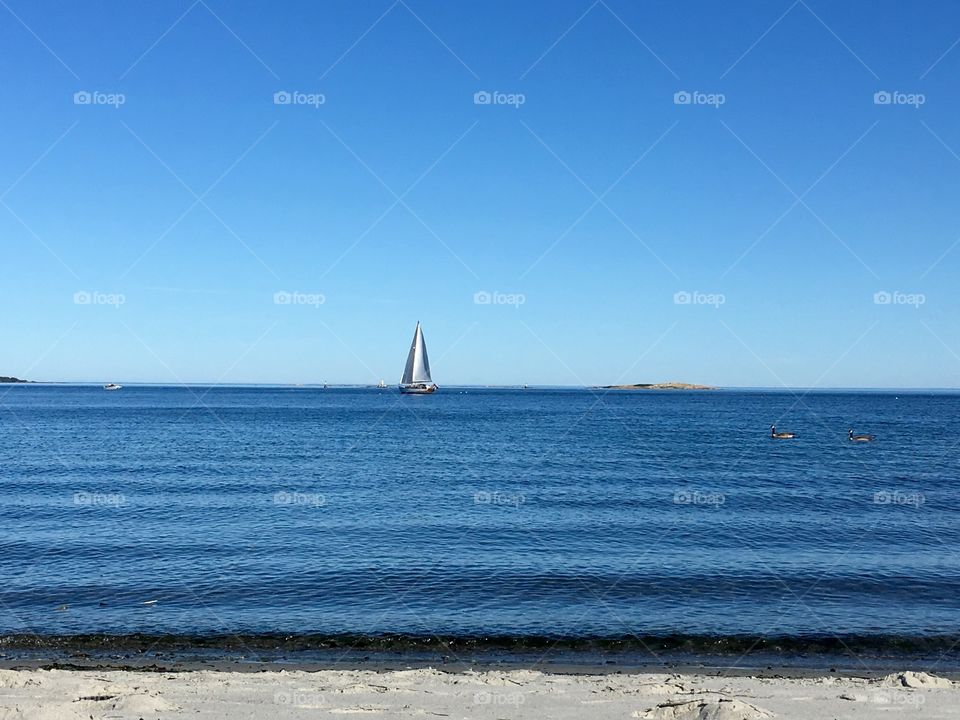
477 513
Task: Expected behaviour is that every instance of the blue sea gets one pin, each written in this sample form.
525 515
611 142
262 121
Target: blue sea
575 514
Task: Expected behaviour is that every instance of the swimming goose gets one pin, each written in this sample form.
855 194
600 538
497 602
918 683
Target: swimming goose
780 435
859 438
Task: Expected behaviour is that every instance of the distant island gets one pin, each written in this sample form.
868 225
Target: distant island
658 386
4 379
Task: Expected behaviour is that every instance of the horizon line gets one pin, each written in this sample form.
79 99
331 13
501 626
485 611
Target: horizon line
151 383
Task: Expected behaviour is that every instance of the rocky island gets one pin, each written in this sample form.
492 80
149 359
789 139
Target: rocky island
658 386
5 379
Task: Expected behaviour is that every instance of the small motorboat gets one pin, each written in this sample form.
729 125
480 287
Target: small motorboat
112 386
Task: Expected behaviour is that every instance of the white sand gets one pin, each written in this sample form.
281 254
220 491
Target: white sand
84 694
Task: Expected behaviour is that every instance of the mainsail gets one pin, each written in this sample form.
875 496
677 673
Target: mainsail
417 369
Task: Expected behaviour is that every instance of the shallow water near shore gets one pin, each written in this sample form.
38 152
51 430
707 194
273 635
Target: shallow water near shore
536 514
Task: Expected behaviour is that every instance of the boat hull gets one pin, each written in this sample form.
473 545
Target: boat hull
418 389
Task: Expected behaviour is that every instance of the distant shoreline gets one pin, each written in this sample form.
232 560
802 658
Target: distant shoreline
659 386
463 386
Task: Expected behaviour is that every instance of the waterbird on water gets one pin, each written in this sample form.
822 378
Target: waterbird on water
780 435
859 438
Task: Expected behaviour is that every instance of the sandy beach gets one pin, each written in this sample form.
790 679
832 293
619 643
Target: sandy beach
424 693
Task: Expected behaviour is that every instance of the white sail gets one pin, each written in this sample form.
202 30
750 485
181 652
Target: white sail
417 369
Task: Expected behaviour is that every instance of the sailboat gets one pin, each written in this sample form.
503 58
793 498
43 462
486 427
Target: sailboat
416 374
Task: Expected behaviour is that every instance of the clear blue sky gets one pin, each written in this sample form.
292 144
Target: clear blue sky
796 199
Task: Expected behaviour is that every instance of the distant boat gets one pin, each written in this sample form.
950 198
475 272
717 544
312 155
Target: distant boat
381 385
416 375
112 386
